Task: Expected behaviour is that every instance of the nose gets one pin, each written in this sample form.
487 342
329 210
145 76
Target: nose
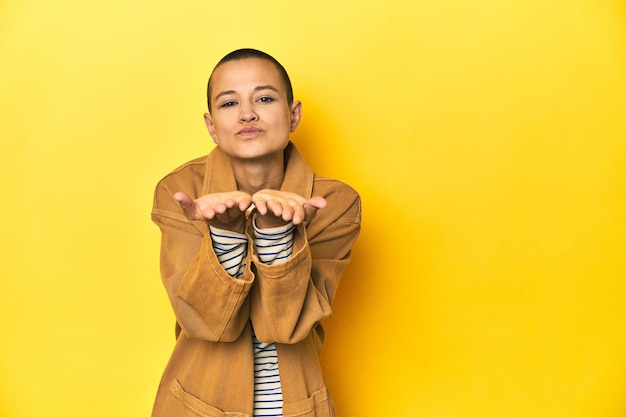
247 113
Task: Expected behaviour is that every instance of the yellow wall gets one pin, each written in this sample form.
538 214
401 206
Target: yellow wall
488 140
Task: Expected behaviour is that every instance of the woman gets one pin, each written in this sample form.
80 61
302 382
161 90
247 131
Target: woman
253 247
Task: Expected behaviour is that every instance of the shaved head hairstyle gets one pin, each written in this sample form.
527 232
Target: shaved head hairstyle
248 53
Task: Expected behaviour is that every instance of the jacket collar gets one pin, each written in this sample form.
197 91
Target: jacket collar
219 176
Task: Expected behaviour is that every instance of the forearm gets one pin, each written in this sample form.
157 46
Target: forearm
285 304
208 303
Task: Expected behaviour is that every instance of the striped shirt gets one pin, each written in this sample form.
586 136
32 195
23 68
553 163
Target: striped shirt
273 246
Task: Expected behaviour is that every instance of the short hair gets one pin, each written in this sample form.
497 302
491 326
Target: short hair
246 53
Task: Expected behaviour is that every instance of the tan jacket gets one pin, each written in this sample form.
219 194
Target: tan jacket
210 372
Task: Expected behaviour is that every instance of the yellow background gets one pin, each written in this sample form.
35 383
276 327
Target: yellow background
488 141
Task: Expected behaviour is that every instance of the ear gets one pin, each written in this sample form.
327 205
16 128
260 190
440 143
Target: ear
296 114
208 121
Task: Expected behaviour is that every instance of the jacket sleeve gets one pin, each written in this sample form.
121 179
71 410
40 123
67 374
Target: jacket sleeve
290 298
208 303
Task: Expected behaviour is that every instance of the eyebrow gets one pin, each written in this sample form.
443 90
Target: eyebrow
257 88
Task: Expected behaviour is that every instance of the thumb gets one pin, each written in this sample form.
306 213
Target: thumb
317 202
311 207
187 204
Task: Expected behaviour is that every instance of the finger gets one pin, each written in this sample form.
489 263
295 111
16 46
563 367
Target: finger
299 215
183 199
261 206
244 201
287 212
275 206
187 204
221 208
208 213
312 206
309 212
317 202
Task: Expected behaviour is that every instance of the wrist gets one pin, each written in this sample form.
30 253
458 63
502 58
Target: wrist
268 222
237 226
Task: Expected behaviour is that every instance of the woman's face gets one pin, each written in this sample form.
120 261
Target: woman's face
251 118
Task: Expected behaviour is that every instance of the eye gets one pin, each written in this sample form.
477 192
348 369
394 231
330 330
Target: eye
265 99
228 103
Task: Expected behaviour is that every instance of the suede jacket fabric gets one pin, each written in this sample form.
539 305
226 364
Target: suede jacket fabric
210 372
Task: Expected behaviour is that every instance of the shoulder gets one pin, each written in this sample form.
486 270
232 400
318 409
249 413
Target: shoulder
343 201
191 170
333 187
187 178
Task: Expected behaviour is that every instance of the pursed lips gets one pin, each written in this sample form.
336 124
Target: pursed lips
249 131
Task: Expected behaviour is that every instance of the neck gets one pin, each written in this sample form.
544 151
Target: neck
253 176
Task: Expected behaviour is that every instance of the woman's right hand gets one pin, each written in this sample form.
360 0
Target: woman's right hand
223 210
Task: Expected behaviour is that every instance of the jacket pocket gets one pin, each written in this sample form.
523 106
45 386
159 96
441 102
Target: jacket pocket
196 407
317 405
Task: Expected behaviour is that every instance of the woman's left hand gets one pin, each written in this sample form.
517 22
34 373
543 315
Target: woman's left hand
276 208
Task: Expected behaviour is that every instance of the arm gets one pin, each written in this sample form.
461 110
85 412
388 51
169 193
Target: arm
208 303
291 297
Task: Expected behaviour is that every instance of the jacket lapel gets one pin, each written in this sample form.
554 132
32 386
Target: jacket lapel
219 177
298 176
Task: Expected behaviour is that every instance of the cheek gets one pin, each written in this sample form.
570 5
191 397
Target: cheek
283 120
221 126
